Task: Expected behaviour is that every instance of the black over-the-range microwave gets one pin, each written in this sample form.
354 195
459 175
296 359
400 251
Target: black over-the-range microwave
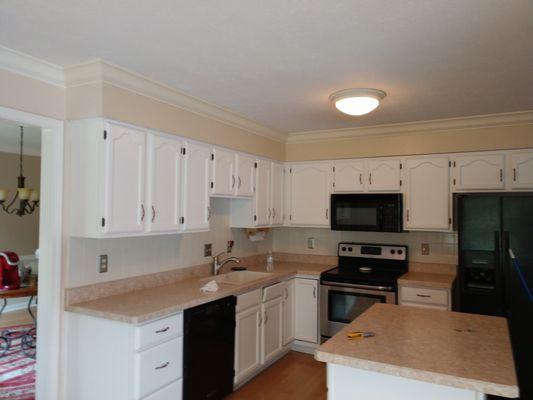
367 212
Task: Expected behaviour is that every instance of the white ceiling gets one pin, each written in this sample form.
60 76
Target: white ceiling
277 61
10 138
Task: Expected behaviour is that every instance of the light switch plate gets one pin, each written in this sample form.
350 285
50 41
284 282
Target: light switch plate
311 243
425 249
103 263
208 250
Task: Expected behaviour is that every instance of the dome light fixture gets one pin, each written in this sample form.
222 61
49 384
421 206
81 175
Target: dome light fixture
357 101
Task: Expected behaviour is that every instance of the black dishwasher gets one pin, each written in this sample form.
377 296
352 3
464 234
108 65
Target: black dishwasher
208 350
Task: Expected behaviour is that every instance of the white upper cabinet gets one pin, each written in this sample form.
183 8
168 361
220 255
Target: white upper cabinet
310 191
124 210
263 211
349 176
245 175
224 173
478 171
164 186
427 193
383 174
276 195
196 178
521 170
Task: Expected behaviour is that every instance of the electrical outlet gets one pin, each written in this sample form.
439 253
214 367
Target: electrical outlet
229 246
208 250
425 249
103 263
311 243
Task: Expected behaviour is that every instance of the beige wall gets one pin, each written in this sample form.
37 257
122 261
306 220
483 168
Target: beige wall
19 234
509 137
30 95
150 254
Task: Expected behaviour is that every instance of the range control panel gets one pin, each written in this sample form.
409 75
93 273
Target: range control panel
385 252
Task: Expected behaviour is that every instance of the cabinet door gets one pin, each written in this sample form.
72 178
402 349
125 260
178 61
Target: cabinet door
427 193
288 312
383 175
262 197
522 170
306 310
247 342
245 176
196 210
272 332
164 184
310 190
276 198
224 173
349 176
125 211
478 172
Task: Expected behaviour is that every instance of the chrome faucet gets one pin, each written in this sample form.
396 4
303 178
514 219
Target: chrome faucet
219 264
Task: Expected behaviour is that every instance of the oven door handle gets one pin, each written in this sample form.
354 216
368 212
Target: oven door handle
355 286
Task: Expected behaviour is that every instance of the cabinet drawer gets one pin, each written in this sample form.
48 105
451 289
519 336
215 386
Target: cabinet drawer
157 367
170 392
271 292
424 295
247 300
157 331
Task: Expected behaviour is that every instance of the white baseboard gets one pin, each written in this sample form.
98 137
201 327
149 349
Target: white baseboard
304 347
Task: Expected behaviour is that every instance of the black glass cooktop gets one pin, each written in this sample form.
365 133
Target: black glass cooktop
363 275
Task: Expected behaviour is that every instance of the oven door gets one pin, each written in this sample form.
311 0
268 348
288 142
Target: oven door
342 303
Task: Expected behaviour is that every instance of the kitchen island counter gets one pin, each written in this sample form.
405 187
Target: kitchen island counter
441 354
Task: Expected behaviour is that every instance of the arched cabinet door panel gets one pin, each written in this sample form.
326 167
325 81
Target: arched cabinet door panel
479 172
522 170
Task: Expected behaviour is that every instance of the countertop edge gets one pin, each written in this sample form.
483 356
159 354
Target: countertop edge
419 375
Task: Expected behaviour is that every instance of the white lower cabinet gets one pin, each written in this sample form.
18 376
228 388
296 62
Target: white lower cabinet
272 329
247 342
288 312
306 310
119 361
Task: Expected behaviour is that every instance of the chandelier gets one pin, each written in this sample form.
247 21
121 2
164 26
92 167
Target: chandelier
28 199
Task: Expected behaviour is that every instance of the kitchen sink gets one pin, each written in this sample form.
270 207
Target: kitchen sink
240 277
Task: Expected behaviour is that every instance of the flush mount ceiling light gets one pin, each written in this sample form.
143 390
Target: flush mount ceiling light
357 101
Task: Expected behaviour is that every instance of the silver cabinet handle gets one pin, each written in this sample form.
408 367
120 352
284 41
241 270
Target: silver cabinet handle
426 296
370 178
239 185
153 213
269 213
163 365
273 213
286 293
360 178
232 181
165 329
501 175
208 213
407 215
514 174
327 213
260 319
266 318
142 212
314 292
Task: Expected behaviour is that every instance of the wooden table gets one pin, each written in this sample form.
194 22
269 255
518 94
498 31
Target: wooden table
30 290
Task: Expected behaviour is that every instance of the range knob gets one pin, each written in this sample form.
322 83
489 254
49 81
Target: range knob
350 249
393 251
343 248
400 252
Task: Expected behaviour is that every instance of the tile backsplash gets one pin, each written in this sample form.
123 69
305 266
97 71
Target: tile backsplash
443 246
129 257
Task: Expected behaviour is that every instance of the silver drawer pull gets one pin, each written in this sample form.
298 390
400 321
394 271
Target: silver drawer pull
423 295
163 330
163 365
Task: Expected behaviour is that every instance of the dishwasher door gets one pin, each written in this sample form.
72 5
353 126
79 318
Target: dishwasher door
208 350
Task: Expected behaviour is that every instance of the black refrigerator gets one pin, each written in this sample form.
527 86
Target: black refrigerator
490 281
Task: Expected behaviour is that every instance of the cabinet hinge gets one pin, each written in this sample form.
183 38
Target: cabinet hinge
290 170
333 184
105 134
449 163
103 222
212 156
255 165
212 185
183 150
454 181
254 189
454 164
333 169
401 165
449 221
255 217
401 182
182 220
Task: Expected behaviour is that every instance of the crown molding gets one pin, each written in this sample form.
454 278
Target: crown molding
418 127
29 66
102 71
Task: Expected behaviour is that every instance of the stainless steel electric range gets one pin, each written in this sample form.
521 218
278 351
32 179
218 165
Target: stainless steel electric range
366 274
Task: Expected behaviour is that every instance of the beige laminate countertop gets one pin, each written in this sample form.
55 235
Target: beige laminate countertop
427 279
467 351
143 305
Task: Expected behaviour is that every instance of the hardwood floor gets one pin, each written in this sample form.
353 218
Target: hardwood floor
20 317
296 376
